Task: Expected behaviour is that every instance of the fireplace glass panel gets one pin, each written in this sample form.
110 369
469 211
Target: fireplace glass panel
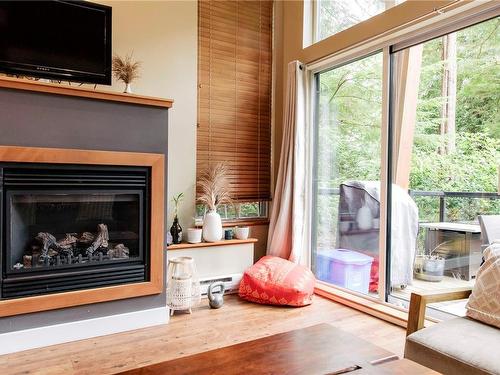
48 231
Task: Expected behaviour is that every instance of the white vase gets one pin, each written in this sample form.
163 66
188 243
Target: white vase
364 218
212 227
128 89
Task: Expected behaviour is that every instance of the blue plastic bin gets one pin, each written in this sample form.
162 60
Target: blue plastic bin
345 268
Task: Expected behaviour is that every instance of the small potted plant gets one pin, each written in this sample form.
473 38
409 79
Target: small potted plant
194 233
175 229
430 267
213 186
125 70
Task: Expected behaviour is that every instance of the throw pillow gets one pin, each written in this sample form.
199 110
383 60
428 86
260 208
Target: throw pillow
484 302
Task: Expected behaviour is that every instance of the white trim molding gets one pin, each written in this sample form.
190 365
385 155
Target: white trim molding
33 338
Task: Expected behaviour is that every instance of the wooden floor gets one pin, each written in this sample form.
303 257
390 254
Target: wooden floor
205 329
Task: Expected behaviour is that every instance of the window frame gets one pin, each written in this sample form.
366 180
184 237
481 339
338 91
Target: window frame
315 21
455 20
261 219
393 50
315 9
343 60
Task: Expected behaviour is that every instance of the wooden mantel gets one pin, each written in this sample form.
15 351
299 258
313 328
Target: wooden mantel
82 92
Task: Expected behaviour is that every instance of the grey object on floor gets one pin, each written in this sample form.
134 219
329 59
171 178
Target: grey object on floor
216 299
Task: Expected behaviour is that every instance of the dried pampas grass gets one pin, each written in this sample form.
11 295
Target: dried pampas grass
213 186
124 69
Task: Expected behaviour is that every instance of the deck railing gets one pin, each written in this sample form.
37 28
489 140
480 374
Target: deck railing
442 195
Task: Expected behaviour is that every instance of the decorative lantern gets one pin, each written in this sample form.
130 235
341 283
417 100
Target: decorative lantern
183 286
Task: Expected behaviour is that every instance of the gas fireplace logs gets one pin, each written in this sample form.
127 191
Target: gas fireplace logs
101 241
73 248
120 251
52 247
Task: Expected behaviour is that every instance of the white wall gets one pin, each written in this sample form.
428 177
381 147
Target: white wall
163 36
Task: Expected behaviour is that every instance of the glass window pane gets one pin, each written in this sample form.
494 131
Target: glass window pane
245 210
57 230
446 150
334 16
347 177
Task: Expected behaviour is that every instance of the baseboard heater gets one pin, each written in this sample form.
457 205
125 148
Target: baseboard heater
231 283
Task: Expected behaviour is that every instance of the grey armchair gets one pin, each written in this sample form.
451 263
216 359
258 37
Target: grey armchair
455 346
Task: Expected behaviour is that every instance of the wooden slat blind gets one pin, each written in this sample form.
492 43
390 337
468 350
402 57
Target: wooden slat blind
234 93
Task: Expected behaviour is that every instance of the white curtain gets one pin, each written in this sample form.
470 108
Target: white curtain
289 220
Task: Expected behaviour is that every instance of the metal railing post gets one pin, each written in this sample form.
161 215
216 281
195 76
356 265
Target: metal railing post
442 208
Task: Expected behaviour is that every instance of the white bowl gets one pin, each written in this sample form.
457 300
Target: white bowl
345 226
194 235
241 233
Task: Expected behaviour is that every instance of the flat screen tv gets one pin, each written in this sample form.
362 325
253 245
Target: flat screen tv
59 40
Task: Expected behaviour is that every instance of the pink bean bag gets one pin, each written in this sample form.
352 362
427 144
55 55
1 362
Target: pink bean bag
276 281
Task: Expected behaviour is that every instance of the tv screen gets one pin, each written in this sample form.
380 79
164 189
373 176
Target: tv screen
61 40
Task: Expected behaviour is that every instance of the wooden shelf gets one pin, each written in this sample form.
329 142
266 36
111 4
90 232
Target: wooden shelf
56 89
183 246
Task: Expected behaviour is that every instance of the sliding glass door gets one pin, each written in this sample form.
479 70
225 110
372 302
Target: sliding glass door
346 186
445 158
441 146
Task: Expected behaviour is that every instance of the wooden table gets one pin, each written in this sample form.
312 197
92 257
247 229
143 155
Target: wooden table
400 367
320 349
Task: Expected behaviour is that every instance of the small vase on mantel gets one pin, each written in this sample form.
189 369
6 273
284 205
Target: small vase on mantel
128 89
212 226
176 231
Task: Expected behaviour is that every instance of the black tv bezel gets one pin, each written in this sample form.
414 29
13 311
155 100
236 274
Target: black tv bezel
60 74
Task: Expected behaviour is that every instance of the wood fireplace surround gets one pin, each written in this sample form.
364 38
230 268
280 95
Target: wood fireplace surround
154 283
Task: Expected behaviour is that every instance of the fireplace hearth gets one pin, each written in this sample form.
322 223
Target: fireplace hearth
71 227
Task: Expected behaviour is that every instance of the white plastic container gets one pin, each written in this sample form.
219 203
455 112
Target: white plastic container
345 268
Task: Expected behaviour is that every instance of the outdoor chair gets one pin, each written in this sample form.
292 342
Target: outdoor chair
490 229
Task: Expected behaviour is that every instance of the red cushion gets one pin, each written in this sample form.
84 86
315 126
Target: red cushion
277 281
374 277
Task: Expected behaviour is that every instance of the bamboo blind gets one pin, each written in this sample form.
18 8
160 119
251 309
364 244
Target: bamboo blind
234 93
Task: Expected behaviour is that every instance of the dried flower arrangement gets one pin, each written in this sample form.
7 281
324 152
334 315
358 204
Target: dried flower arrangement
213 186
125 70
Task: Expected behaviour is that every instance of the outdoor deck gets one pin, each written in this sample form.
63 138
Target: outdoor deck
447 284
441 233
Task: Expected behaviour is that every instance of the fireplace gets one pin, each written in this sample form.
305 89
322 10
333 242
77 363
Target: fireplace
68 227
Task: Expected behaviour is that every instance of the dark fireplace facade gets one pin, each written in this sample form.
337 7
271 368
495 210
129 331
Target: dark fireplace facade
72 227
